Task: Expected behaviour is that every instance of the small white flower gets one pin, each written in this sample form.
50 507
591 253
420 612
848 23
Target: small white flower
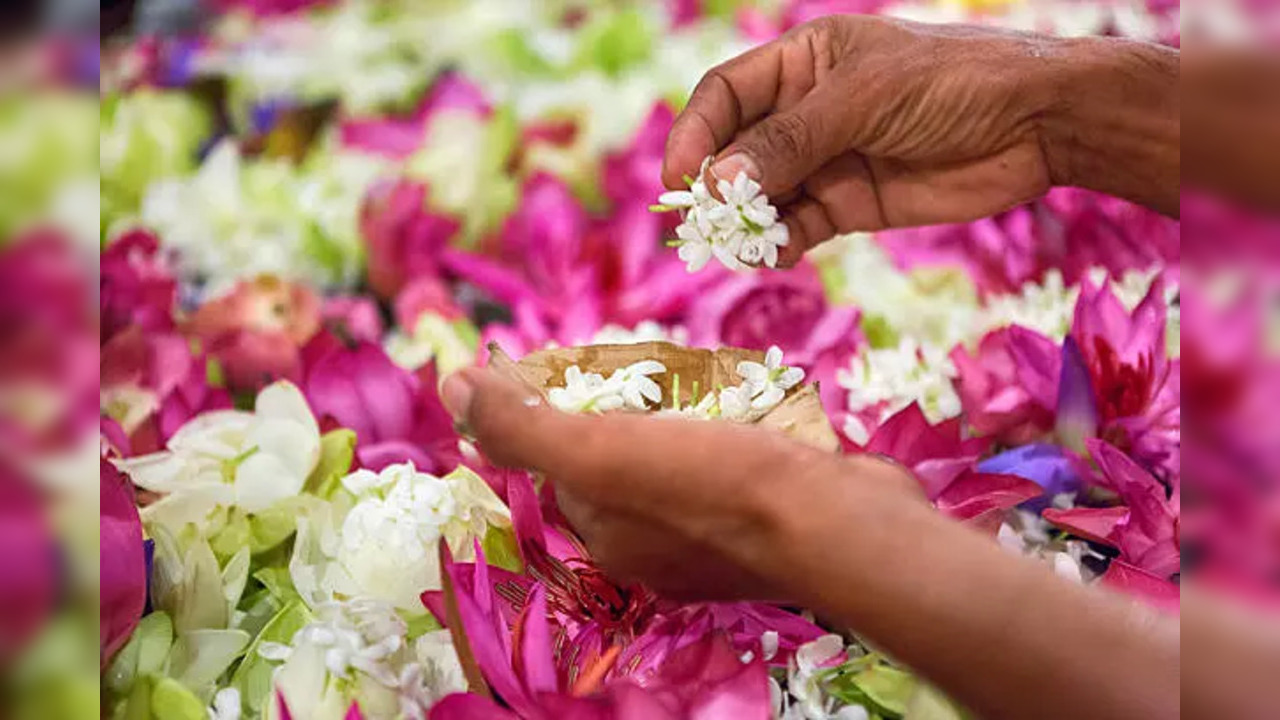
629 387
735 402
644 331
769 382
226 705
741 231
892 378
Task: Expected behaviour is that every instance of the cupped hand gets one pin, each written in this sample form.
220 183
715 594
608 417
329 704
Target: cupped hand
863 123
694 509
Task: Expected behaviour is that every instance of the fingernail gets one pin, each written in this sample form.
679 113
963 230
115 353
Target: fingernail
728 168
456 394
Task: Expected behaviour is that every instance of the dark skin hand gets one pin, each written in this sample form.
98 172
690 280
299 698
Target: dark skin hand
864 123
859 123
705 510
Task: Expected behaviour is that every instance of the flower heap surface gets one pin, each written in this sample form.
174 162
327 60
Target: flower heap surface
740 228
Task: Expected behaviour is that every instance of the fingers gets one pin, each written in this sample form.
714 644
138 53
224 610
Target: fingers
728 98
616 458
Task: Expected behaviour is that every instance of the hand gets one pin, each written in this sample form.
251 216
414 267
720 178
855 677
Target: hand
694 509
863 123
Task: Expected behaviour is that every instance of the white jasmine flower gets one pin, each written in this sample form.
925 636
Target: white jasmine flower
1045 307
386 546
1067 567
809 700
769 382
354 651
735 402
892 378
627 388
452 344
742 230
230 457
226 705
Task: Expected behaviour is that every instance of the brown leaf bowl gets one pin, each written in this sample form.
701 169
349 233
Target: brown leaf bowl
799 415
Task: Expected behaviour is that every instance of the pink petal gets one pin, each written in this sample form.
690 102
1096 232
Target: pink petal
123 561
975 495
1096 524
465 706
1157 591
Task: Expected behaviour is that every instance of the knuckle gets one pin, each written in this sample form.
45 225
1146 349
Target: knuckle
786 135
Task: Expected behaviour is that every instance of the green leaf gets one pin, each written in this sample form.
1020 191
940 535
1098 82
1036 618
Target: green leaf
420 624
887 687
500 548
278 582
228 533
337 448
145 653
614 42
235 574
253 677
198 658
171 701
274 525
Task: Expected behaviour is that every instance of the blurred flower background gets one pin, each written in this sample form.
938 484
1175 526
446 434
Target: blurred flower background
309 211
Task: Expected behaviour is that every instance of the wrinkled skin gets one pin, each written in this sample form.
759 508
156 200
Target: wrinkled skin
859 123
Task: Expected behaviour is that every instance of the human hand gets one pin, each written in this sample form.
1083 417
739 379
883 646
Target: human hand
863 123
693 509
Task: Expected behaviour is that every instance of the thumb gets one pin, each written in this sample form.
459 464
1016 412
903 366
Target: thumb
783 149
512 424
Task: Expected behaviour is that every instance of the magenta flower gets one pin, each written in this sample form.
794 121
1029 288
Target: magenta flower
137 285
124 568
1144 528
152 384
937 454
256 330
403 238
352 316
1156 591
788 309
29 564
282 708
397 138
1069 230
1008 388
1134 385
396 415
425 295
562 627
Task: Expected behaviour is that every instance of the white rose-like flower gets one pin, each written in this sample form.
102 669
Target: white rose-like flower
388 540
229 457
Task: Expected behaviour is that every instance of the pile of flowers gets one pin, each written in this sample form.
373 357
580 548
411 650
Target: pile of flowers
312 211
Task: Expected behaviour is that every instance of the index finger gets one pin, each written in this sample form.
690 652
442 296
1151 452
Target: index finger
730 97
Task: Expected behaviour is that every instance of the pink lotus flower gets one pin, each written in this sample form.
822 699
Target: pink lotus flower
1145 529
124 567
397 138
29 564
137 285
787 309
403 239
562 626
1135 387
1156 591
153 383
1008 388
396 415
256 330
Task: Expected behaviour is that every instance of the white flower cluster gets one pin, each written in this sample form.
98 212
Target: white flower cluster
893 378
806 697
366 638
628 388
763 386
742 231
389 538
